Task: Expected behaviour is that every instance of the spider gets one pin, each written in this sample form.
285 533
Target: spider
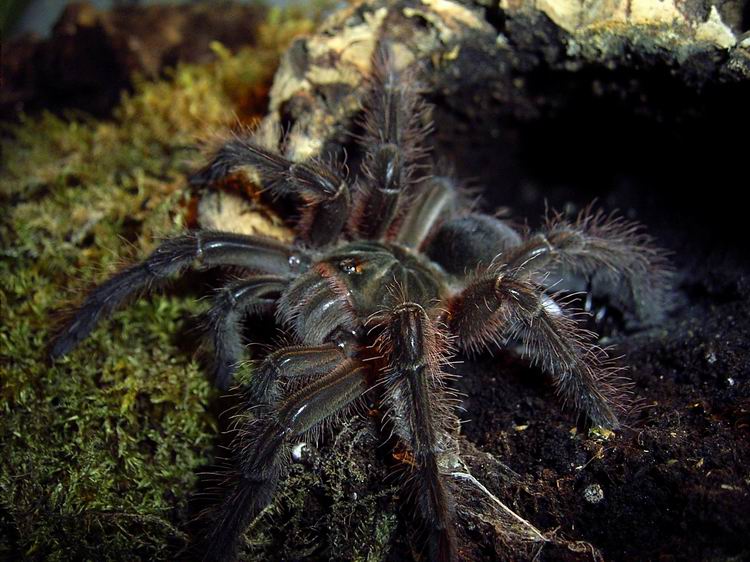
390 276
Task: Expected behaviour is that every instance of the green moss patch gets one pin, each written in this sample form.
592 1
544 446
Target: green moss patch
100 449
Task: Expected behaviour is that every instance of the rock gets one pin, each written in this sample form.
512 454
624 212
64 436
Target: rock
478 59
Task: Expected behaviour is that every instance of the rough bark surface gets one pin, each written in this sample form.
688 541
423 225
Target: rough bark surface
520 59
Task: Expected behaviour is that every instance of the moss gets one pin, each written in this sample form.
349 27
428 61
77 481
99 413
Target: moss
100 449
334 505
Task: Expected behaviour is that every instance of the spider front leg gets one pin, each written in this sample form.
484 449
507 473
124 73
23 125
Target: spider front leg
172 257
596 243
232 303
321 187
262 448
420 410
501 307
437 201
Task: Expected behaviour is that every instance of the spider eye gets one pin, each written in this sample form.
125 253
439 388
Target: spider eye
350 266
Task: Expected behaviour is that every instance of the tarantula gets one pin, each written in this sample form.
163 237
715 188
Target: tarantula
389 276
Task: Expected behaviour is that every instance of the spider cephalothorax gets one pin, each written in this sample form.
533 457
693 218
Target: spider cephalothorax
386 282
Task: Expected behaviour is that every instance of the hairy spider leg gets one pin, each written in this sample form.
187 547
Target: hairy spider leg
291 364
599 243
231 305
419 407
497 308
173 257
321 187
394 130
263 448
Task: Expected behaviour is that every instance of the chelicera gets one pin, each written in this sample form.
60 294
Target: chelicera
391 275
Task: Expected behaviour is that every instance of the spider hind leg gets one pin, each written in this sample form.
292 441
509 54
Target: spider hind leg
464 244
604 247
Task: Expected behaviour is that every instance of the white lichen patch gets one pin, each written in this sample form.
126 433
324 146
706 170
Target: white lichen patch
339 55
661 18
448 19
715 31
352 44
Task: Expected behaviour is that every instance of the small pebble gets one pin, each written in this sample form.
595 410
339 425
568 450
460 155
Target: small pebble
593 493
298 452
